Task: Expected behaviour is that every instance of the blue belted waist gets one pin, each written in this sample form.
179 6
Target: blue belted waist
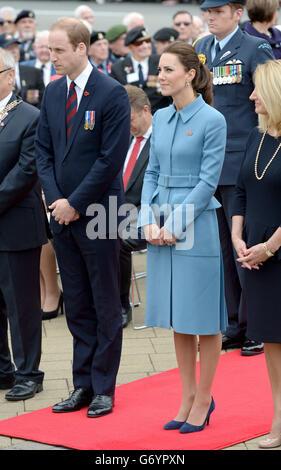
171 181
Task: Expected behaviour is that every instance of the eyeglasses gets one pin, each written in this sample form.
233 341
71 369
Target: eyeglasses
185 23
5 70
138 43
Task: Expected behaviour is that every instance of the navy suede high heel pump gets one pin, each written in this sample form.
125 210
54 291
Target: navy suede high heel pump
171 425
188 428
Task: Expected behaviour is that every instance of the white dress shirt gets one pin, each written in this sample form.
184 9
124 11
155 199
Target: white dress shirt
80 82
46 70
144 65
143 142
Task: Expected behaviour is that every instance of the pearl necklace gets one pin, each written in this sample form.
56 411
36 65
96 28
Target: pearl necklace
270 161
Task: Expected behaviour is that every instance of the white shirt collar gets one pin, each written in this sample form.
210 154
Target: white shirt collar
82 79
5 101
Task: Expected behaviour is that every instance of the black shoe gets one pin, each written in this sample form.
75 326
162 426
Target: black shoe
126 316
24 390
77 400
231 343
54 313
7 382
100 406
252 348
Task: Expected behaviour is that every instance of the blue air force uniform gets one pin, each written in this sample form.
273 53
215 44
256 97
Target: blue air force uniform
233 68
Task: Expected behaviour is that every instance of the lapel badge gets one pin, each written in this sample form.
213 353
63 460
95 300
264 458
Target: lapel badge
89 120
189 133
225 54
86 93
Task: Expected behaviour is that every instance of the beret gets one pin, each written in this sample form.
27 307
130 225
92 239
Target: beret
219 3
166 34
115 32
97 36
135 34
7 39
24 14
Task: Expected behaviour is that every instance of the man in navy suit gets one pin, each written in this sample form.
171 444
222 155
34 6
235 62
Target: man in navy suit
233 56
22 234
81 143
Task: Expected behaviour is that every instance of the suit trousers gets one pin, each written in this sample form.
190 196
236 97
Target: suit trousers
233 273
20 304
89 272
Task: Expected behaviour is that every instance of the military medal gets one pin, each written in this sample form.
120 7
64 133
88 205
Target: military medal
89 120
215 77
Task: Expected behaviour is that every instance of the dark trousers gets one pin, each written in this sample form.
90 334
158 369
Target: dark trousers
89 272
20 304
233 273
127 246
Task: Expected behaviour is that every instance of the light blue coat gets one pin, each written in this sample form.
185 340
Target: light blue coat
185 287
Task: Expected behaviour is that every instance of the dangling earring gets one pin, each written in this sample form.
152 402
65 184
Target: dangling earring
187 84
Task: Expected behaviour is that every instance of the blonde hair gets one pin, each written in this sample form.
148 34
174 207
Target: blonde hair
268 86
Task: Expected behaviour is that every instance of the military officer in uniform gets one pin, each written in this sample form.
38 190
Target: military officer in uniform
140 68
232 55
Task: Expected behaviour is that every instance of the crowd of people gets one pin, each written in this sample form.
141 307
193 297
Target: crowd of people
182 128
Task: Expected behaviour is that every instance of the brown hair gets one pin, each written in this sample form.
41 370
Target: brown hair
202 82
137 97
76 31
236 6
261 10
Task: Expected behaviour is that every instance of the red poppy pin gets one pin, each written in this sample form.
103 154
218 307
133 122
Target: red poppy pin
189 133
86 93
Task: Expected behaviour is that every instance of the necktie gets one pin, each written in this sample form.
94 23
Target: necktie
132 161
71 108
141 78
218 49
42 69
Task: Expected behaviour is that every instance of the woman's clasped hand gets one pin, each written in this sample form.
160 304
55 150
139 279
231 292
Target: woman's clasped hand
158 236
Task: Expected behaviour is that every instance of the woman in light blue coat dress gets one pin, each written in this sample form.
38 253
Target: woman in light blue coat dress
185 287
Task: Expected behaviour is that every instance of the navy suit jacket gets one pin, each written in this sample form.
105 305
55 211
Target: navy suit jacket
22 215
233 100
86 168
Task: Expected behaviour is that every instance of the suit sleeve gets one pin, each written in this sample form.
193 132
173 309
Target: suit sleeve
113 150
211 164
45 156
23 176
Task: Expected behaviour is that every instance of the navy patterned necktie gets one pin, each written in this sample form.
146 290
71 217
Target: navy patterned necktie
71 108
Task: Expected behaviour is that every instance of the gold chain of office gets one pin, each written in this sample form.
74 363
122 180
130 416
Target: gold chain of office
8 108
270 161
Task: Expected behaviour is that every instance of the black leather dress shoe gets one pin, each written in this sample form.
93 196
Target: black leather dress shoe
24 390
77 400
252 348
231 343
6 383
100 406
126 316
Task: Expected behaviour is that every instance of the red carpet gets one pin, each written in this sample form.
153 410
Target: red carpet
243 411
